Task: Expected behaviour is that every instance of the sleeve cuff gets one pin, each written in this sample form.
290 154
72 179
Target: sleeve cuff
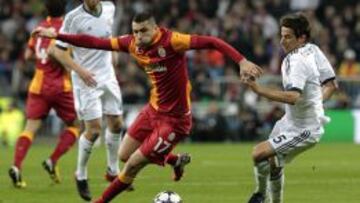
61 47
327 80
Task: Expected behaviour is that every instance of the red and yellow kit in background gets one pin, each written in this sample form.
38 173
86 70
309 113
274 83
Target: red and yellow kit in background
51 85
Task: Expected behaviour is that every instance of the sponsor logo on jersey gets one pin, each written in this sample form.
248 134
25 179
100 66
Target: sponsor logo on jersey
155 68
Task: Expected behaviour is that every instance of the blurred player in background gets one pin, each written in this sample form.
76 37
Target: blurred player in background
96 90
50 88
308 79
166 120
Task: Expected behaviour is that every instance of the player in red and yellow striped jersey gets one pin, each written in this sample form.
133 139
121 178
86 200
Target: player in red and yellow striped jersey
166 120
49 88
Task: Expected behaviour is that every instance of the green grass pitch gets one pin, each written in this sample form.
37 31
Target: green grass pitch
219 173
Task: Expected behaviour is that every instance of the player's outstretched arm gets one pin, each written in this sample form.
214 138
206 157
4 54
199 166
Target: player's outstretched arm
82 40
289 97
209 42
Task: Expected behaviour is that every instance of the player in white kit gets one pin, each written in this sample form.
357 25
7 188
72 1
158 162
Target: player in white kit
307 79
96 90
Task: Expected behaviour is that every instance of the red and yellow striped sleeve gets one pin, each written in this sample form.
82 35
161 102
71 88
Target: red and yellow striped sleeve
115 45
125 42
180 42
121 43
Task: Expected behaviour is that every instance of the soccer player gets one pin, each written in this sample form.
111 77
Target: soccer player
96 89
50 88
166 120
304 70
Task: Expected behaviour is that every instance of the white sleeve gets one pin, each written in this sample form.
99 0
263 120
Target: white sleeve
298 74
66 28
325 69
111 9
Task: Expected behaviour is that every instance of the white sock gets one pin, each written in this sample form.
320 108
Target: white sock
276 188
84 151
112 141
261 171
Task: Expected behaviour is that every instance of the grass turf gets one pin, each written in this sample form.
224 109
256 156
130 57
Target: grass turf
219 173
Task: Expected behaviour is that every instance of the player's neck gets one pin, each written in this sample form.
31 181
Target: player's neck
297 47
95 11
157 36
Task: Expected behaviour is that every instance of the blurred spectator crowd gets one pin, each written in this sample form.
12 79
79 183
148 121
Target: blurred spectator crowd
251 26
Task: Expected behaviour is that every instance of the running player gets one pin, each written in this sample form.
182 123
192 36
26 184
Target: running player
166 120
50 88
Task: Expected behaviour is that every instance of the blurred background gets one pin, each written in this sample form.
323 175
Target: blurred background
223 109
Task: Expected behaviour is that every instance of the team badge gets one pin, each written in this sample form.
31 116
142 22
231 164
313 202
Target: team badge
161 52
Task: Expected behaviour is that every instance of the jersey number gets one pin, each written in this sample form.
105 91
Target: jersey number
277 140
162 145
41 52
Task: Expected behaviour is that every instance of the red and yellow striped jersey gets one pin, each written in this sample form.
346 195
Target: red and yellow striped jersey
165 64
50 77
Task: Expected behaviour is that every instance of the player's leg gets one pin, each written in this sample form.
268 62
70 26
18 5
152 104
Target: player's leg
37 107
287 147
260 155
67 139
181 125
112 109
89 109
178 162
276 181
113 135
132 167
22 147
86 142
64 107
127 147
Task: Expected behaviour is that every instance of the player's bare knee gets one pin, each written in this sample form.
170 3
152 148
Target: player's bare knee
116 124
132 168
92 134
257 154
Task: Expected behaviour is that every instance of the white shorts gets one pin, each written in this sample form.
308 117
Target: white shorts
289 141
92 103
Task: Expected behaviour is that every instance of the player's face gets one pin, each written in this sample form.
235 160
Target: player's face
288 40
92 3
144 33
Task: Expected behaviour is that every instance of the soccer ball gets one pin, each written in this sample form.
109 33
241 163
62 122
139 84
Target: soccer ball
167 197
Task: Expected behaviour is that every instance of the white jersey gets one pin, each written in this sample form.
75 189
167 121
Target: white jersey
303 70
79 21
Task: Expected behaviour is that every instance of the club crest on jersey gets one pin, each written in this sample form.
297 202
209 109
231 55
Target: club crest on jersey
161 52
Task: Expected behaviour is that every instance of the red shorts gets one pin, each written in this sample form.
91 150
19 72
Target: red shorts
159 133
39 105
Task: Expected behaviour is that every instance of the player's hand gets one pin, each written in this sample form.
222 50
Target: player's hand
250 81
249 68
45 32
87 77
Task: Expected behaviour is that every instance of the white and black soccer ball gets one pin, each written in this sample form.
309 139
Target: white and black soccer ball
167 197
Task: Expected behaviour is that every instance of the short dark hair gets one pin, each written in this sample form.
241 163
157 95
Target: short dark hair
143 16
55 8
298 23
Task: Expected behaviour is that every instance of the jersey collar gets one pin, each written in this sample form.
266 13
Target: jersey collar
95 15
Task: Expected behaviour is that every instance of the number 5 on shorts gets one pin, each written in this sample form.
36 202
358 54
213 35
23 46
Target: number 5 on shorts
279 139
